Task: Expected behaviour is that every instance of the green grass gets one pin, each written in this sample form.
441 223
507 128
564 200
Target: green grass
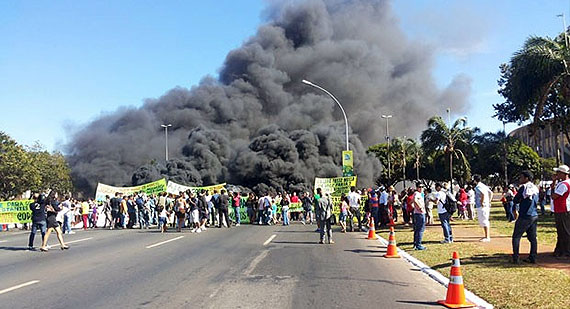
546 230
489 274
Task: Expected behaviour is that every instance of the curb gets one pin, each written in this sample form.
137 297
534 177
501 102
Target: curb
436 276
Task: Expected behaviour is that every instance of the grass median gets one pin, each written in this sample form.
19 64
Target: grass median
490 274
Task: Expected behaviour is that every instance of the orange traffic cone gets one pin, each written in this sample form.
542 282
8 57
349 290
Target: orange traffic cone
392 251
371 231
455 290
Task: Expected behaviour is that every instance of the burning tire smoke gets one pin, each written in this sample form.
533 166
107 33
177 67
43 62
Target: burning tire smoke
257 125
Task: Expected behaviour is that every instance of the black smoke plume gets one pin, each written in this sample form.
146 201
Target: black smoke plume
257 125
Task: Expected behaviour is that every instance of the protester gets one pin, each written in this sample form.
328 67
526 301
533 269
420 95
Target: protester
236 201
383 203
285 209
223 210
37 207
527 198
561 199
374 205
393 203
419 217
483 196
441 197
354 203
343 212
508 204
325 213
471 203
307 207
52 208
463 200
85 214
316 198
429 201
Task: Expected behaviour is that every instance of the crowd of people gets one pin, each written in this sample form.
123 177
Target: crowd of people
200 210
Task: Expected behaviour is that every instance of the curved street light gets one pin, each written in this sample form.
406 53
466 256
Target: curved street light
387 117
306 82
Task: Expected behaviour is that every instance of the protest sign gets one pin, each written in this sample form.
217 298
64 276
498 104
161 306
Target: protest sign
15 211
155 187
174 188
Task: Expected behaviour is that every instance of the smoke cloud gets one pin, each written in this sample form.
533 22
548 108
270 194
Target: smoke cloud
257 125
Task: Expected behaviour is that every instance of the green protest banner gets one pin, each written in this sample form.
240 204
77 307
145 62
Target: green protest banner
15 211
155 187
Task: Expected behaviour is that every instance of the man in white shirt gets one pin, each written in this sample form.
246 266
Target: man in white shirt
483 196
419 217
444 216
354 203
383 201
561 203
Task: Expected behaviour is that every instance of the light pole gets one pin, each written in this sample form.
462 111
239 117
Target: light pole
306 82
387 117
404 160
505 156
166 126
564 28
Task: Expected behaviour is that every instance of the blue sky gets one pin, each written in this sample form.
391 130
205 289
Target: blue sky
63 63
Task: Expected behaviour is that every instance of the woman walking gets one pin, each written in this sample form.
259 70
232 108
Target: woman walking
52 208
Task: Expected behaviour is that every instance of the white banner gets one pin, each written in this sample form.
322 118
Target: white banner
174 188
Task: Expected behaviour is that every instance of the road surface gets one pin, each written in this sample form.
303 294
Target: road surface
241 267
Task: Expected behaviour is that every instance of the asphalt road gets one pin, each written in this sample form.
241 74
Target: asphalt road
241 267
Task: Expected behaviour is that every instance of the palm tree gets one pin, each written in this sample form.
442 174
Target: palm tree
440 137
536 77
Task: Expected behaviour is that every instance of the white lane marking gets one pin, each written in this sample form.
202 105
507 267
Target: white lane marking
19 286
73 241
269 240
255 261
1 241
164 242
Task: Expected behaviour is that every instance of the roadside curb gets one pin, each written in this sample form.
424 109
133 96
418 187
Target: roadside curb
436 276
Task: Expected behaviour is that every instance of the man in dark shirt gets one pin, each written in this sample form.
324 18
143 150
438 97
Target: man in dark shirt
527 198
223 210
115 208
38 208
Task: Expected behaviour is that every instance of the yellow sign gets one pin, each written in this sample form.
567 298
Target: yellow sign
155 187
347 163
15 211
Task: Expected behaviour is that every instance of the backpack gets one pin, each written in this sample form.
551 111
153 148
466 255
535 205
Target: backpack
450 204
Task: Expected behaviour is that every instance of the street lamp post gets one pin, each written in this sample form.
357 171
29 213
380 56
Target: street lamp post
306 82
404 160
166 126
387 117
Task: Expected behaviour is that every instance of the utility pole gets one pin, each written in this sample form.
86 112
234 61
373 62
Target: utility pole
387 117
166 126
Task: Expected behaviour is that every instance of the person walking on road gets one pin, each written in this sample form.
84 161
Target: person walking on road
85 214
52 208
316 199
483 196
419 217
354 203
325 213
561 200
38 209
527 198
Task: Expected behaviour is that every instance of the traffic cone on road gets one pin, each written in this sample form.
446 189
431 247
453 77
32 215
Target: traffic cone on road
371 231
392 251
455 290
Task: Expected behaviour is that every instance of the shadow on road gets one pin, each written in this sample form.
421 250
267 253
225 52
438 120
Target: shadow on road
14 248
419 303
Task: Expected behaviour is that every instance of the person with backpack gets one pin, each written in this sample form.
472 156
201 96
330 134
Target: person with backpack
442 199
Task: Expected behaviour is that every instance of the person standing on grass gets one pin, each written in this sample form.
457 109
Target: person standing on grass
471 203
561 199
483 196
441 197
419 217
527 198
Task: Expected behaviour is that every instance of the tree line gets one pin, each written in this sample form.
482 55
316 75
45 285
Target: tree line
33 168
